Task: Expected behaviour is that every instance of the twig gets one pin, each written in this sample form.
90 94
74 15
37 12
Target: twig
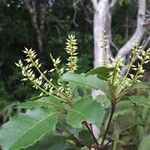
109 121
91 132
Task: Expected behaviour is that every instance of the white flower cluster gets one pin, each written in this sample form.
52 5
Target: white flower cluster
144 58
115 76
29 67
71 47
60 71
121 83
40 81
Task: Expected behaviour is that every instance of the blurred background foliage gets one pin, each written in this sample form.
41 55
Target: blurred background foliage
61 18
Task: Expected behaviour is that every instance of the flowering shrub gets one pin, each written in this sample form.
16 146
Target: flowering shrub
68 110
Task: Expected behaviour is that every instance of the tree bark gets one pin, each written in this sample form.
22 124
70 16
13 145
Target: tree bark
139 32
102 27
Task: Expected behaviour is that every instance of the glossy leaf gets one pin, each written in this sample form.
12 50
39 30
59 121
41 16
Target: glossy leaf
90 81
85 110
26 129
101 72
141 100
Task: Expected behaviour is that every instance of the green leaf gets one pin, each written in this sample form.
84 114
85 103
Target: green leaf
123 109
122 123
145 143
90 81
52 142
26 129
101 72
124 104
124 2
86 137
142 85
103 100
64 128
85 110
141 100
51 102
35 104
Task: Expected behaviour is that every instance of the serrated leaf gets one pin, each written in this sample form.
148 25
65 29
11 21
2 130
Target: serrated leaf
90 81
26 129
85 110
101 72
33 104
145 143
140 100
51 102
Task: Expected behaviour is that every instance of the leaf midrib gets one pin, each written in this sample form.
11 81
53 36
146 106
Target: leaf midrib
33 127
82 111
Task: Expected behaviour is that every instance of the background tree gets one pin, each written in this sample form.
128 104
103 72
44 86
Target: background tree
122 21
102 27
37 10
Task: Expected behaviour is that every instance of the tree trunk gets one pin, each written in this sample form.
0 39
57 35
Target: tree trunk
40 41
139 32
38 24
102 27
102 24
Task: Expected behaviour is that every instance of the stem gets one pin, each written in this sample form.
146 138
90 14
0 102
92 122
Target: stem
63 84
43 90
129 66
41 73
134 80
91 132
55 65
61 93
60 76
107 144
113 104
115 142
